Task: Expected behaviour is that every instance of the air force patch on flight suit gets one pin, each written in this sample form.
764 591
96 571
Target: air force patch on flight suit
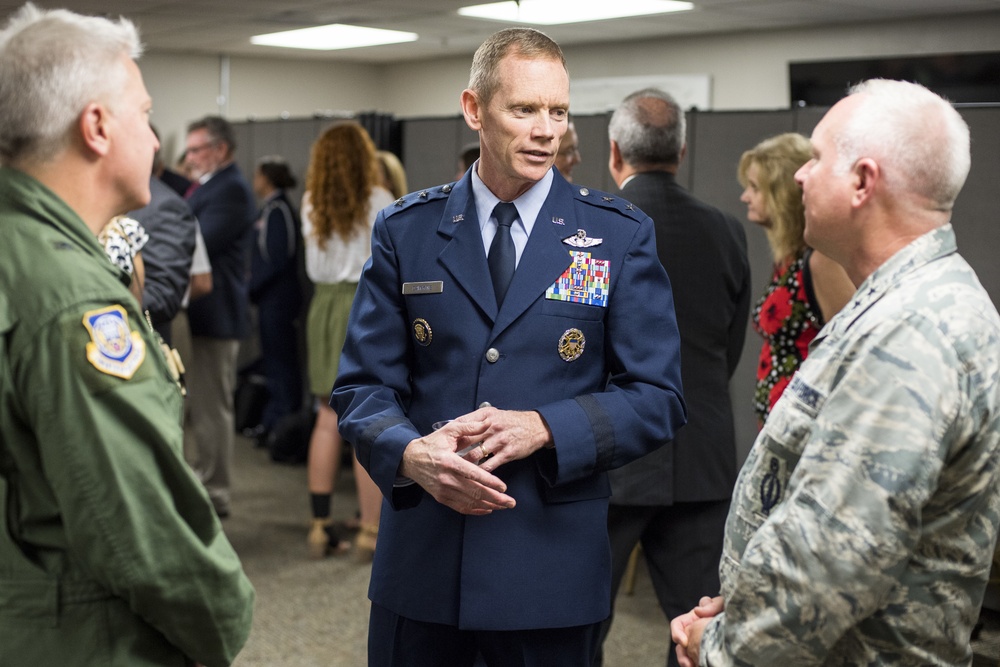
113 349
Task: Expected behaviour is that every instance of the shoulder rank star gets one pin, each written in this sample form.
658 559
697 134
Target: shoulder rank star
581 240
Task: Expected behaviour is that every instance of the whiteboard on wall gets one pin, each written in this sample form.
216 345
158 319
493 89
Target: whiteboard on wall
590 96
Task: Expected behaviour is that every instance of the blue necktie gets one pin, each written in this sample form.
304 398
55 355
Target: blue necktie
502 257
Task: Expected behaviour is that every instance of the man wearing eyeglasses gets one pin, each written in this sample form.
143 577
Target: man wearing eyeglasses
569 152
224 204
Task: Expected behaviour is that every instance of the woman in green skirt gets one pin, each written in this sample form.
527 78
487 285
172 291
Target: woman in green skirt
343 196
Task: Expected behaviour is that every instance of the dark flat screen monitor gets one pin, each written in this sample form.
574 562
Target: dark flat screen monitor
960 77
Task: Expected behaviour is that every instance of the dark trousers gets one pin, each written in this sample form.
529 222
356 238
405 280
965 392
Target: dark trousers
282 365
682 544
395 641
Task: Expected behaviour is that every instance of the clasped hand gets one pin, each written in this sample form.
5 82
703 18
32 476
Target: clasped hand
467 483
686 630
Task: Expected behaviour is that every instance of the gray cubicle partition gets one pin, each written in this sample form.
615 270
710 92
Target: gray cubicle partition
291 139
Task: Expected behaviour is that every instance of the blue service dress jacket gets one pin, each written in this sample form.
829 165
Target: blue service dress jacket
426 342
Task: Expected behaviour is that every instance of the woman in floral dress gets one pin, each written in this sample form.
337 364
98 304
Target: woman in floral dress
807 288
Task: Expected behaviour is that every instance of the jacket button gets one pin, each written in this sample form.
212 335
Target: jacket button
492 355
485 404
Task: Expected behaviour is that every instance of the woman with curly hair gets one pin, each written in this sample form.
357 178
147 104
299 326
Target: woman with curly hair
343 195
807 288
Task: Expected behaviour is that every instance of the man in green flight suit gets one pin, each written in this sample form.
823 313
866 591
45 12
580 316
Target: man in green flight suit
110 552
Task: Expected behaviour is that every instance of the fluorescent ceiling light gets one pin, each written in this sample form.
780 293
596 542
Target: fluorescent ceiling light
335 36
553 12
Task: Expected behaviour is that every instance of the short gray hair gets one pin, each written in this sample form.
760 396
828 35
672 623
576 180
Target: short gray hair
917 138
53 63
649 128
484 77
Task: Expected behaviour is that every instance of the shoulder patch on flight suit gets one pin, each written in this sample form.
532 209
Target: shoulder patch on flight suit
419 197
114 348
608 201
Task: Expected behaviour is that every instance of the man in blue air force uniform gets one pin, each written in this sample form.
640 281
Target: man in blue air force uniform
537 316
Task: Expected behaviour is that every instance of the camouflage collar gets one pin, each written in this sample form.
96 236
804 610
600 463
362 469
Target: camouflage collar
933 245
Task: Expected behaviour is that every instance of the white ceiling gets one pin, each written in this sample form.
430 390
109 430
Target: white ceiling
225 26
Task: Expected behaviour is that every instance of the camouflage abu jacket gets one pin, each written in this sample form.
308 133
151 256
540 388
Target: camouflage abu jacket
864 521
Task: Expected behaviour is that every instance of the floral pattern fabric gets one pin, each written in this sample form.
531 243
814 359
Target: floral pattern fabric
122 238
787 321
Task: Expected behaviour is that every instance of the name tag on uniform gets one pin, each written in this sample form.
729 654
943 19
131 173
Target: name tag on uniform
426 287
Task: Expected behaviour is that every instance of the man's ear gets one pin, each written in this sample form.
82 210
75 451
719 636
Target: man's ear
615 162
93 125
867 175
616 155
471 110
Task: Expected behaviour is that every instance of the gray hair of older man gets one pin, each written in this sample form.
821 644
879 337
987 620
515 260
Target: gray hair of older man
649 128
53 63
918 139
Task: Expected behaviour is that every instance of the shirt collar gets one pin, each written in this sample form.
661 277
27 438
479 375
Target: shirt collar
528 205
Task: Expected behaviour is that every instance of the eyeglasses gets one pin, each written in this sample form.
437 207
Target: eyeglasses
194 150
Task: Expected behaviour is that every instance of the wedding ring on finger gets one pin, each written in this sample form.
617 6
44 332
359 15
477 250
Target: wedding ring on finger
482 448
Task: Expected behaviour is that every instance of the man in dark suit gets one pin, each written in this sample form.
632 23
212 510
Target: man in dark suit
675 500
167 255
224 205
494 532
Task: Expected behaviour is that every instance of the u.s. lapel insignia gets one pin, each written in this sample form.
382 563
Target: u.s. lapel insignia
558 221
422 331
113 348
571 344
581 240
458 218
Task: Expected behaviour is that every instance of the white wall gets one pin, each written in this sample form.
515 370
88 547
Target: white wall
187 87
747 71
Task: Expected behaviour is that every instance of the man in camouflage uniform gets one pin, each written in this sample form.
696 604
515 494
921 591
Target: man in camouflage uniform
864 521
110 551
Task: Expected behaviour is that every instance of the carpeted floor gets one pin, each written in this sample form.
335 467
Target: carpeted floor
315 613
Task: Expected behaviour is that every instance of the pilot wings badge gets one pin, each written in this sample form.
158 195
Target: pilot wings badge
581 240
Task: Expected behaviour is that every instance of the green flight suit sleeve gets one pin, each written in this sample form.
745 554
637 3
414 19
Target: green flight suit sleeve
135 518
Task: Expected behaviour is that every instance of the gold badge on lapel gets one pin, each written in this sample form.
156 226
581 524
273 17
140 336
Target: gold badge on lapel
422 331
571 344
